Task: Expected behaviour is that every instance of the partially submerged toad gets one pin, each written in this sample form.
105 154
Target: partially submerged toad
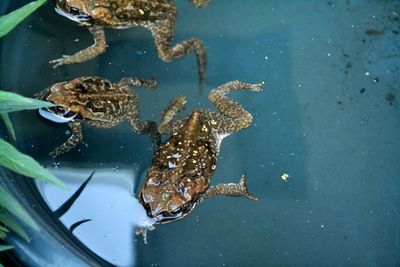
180 174
96 101
159 16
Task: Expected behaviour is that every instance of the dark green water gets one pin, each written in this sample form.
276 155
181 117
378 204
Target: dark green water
328 117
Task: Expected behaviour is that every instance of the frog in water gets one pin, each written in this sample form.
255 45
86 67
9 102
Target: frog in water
99 103
159 16
180 174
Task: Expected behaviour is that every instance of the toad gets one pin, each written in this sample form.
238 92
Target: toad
182 167
97 102
159 16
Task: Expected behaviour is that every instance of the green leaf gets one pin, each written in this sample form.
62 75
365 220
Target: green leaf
23 164
8 124
10 102
9 203
12 224
3 234
3 229
5 247
9 21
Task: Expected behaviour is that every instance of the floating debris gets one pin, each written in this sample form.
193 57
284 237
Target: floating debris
374 32
285 176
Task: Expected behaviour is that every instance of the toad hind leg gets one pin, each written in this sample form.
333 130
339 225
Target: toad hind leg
148 84
93 51
200 3
162 36
238 117
231 189
72 141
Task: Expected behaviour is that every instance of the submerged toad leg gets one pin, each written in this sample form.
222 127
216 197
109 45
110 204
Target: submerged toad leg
231 189
150 84
200 3
93 51
72 141
162 33
237 117
133 115
167 126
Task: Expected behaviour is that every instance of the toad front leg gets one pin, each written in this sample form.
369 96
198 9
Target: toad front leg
231 189
72 141
133 115
167 126
93 51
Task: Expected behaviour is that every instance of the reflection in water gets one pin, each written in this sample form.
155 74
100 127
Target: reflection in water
105 214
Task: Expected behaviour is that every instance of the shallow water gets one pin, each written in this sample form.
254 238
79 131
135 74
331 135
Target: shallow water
328 117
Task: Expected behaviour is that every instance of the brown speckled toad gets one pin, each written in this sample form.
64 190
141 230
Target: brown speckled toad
180 174
159 16
96 101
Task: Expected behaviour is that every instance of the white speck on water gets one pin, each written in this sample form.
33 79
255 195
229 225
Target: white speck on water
367 73
266 57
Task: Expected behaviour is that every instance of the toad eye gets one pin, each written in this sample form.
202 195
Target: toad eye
74 11
177 211
59 110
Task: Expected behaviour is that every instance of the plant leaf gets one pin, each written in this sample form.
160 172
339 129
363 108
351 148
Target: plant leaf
77 224
9 203
8 124
9 222
9 21
70 201
3 234
5 247
23 164
10 102
3 229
